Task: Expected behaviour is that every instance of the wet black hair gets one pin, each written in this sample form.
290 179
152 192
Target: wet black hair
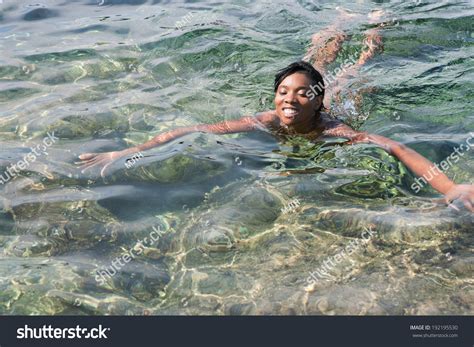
317 80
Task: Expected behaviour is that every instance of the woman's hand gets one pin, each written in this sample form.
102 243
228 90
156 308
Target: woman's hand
101 160
463 193
358 137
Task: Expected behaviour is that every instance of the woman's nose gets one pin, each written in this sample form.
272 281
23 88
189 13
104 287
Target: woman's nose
290 98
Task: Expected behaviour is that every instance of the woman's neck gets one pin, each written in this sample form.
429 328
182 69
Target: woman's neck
305 127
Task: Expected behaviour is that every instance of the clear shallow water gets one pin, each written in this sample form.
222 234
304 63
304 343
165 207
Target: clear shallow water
104 75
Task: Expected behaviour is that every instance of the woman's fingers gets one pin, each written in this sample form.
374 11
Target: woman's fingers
454 207
88 166
93 162
87 162
87 156
468 205
102 172
467 201
464 198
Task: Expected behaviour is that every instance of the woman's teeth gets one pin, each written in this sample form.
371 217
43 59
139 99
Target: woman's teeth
289 112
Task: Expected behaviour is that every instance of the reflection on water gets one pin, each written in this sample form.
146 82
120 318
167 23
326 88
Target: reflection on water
105 75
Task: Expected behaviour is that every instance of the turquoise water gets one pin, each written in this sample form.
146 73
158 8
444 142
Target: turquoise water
240 221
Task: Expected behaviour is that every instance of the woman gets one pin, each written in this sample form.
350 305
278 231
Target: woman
299 96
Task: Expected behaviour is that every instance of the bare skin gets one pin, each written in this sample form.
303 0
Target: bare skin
326 45
297 114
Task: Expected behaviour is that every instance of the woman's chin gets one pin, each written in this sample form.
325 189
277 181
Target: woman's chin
288 120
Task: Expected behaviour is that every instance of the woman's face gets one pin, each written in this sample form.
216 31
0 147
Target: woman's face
295 102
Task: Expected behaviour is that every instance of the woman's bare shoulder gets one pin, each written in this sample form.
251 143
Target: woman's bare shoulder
328 122
336 128
269 118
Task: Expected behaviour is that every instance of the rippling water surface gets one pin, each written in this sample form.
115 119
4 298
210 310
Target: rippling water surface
108 74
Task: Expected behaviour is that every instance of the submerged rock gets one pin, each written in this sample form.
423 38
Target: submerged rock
89 125
144 281
251 211
39 14
49 227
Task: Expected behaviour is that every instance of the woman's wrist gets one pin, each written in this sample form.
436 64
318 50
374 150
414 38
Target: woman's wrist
127 151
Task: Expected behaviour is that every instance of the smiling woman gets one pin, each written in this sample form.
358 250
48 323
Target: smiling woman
297 112
295 100
245 218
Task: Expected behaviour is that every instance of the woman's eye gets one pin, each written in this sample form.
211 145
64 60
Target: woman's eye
282 92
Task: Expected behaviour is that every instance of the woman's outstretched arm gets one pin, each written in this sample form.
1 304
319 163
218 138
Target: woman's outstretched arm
104 160
418 164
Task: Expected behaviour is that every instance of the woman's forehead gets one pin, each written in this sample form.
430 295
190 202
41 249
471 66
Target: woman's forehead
297 79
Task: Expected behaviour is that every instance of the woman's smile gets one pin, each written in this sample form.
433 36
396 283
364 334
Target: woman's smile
290 112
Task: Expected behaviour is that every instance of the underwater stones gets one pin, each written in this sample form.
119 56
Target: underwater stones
50 238
62 56
425 308
252 210
222 282
73 302
396 224
239 309
98 303
171 168
370 187
143 280
49 227
16 93
70 75
39 14
144 118
211 290
27 282
463 267
279 301
90 232
79 126
66 130
217 239
182 167
343 299
106 69
31 246
464 299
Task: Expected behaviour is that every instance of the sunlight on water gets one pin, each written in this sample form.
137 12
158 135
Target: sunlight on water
227 224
